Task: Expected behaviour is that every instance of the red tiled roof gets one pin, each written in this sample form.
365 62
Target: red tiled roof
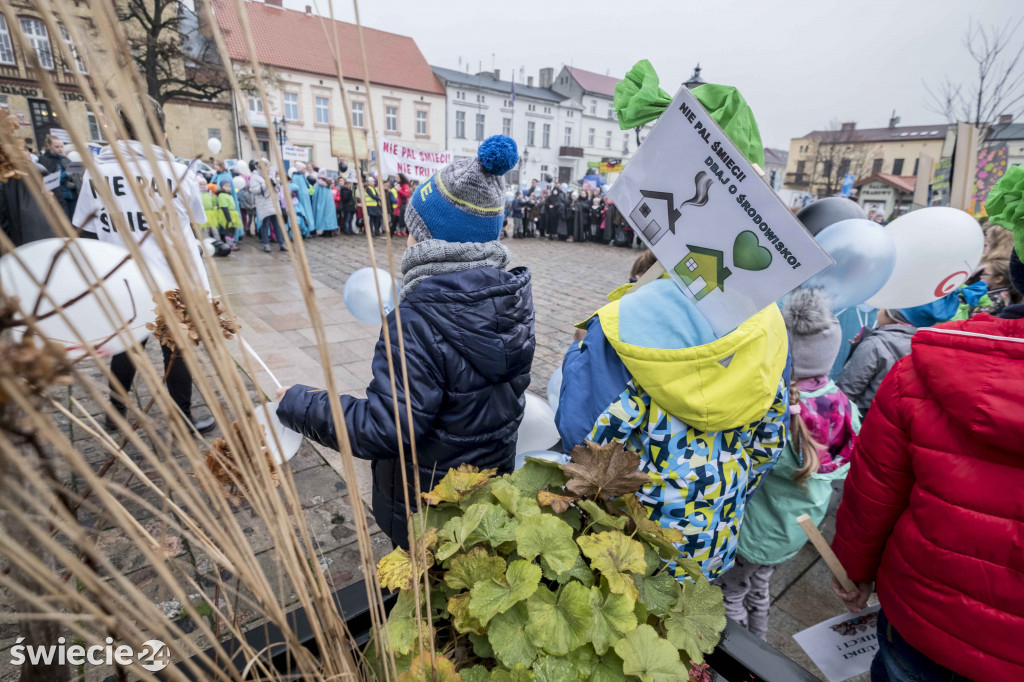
593 82
295 41
904 183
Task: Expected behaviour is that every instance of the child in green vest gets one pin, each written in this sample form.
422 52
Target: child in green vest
823 427
230 219
213 215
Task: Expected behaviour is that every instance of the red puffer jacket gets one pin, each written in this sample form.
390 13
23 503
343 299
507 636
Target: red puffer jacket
933 508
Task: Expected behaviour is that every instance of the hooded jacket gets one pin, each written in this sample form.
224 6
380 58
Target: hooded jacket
707 416
771 534
871 359
469 342
932 509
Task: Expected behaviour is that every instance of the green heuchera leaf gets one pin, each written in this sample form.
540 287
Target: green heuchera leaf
590 666
466 570
494 596
549 537
560 624
579 571
462 620
650 657
458 484
477 673
615 556
600 517
507 635
537 475
481 646
572 516
613 617
696 623
518 673
554 669
455 534
402 628
659 593
495 527
434 517
512 498
427 668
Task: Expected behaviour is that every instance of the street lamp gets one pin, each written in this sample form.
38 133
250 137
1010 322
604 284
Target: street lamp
281 132
523 158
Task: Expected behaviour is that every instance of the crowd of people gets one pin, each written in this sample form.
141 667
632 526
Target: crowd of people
586 215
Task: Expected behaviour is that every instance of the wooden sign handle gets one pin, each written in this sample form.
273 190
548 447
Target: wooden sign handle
820 544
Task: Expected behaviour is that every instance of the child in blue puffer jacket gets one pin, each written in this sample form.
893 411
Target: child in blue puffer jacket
469 340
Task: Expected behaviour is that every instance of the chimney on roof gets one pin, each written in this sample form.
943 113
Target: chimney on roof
272 3
497 74
529 81
1005 119
894 120
486 74
849 125
309 10
547 77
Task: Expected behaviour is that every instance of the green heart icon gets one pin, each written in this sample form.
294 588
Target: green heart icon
748 254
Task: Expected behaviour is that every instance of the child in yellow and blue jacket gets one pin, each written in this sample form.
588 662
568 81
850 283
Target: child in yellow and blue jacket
213 214
708 416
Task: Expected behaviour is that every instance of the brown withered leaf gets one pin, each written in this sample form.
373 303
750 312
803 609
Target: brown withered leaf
225 467
161 326
34 364
558 503
604 471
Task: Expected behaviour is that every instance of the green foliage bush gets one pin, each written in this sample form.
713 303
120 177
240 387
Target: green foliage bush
553 574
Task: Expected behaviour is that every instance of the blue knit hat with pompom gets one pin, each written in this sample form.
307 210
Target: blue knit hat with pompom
465 200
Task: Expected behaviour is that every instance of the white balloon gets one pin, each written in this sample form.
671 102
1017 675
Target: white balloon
289 440
238 182
74 157
126 289
214 145
360 294
208 246
537 431
937 249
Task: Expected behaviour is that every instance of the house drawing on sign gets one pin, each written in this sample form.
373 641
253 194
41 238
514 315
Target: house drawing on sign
655 215
702 271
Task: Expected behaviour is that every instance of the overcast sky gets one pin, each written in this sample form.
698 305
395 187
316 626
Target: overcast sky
799 64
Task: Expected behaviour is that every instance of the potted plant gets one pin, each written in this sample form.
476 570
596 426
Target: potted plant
550 573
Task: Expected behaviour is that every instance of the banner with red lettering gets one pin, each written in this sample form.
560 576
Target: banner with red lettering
417 164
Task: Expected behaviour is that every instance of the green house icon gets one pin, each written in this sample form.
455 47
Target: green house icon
702 270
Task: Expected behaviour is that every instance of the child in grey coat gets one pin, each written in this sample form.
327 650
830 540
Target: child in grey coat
873 356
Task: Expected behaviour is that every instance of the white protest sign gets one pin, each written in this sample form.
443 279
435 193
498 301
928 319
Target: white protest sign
51 181
397 158
718 229
292 153
842 646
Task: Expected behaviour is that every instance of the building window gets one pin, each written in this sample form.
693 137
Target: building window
72 49
531 133
96 135
826 168
6 48
39 39
569 113
421 122
625 143
480 127
593 107
876 166
460 125
608 139
543 171
801 168
547 110
546 136
568 136
210 132
459 94
691 264
897 167
590 137
506 127
611 112
291 106
255 104
357 114
531 107
323 110
391 119
3 101
480 99
844 167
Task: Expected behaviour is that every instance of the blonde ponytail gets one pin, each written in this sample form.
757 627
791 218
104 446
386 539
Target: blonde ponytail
800 439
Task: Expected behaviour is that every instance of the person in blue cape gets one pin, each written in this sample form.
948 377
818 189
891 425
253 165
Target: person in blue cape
299 179
301 214
325 218
224 175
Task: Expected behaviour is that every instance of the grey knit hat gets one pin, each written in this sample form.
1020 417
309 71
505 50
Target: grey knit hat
814 332
465 200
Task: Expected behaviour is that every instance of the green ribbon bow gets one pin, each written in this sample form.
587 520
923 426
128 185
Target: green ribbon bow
639 99
1005 205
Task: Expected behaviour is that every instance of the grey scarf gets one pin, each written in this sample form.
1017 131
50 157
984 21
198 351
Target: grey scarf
438 257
